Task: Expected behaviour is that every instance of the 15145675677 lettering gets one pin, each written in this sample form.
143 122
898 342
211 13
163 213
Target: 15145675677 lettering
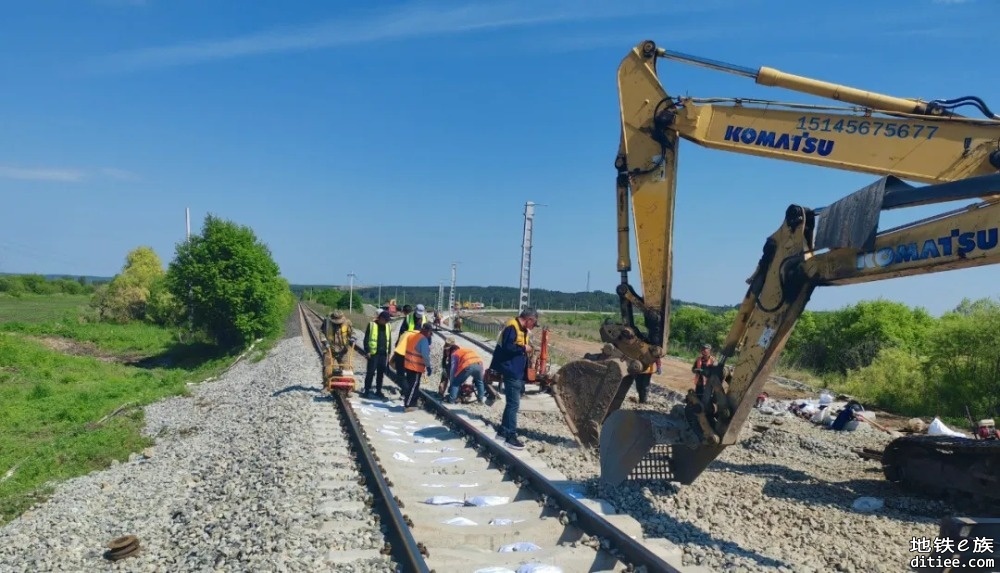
869 127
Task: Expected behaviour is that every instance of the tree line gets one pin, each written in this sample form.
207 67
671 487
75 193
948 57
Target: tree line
333 298
491 297
32 283
885 353
222 285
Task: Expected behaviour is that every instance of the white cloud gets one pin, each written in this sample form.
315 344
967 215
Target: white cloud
41 174
408 21
62 175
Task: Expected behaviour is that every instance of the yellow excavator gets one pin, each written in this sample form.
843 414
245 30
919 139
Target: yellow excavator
894 138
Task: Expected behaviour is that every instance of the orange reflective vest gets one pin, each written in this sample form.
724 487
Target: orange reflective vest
702 362
414 360
462 358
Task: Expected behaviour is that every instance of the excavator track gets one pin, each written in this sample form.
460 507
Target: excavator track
939 465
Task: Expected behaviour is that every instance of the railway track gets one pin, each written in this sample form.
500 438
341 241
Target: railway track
455 499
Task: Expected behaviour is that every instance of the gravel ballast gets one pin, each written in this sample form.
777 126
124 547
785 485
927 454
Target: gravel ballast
232 483
778 500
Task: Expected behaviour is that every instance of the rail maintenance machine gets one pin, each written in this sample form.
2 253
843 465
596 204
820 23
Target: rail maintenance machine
890 137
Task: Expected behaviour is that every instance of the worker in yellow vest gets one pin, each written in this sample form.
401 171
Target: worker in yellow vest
413 319
378 338
510 361
464 362
417 360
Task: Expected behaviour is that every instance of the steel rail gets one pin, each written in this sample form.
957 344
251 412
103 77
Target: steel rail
408 553
620 544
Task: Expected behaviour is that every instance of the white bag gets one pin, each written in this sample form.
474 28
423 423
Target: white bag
938 428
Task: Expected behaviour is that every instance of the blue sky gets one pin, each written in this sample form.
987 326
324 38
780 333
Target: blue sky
412 134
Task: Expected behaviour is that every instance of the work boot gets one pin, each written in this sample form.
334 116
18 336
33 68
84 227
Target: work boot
514 443
381 396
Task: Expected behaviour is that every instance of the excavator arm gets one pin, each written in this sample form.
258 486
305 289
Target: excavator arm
878 134
835 246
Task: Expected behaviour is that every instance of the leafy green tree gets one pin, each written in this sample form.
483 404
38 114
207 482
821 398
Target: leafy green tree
964 358
852 337
126 295
13 286
36 284
692 326
163 307
236 292
895 381
333 298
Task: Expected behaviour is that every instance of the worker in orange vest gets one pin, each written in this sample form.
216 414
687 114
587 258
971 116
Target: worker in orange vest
465 362
704 360
417 360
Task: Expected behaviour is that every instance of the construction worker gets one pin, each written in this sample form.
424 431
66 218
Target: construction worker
412 319
378 338
510 360
399 354
642 382
417 360
407 323
704 360
449 346
465 362
338 341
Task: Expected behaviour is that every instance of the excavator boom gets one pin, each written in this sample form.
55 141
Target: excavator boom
890 137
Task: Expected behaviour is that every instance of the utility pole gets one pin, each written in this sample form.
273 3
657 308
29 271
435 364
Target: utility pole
529 223
440 297
350 296
588 281
380 295
451 294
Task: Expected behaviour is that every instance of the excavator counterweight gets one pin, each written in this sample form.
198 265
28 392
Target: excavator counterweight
889 137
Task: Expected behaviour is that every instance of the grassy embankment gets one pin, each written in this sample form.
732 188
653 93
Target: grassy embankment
61 379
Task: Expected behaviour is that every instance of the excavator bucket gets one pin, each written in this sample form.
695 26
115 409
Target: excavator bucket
590 393
585 391
627 436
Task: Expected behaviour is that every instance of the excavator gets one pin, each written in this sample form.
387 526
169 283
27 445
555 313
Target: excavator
901 141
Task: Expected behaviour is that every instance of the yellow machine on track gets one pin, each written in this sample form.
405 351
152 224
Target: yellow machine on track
890 137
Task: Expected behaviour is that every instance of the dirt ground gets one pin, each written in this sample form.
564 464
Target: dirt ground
677 376
77 348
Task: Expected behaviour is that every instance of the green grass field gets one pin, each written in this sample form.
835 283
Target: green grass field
41 308
61 375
